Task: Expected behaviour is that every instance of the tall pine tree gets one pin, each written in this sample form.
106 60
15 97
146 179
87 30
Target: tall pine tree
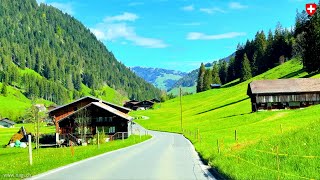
215 74
201 78
245 69
207 80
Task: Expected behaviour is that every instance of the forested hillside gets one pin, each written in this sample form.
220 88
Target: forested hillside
189 81
265 52
63 51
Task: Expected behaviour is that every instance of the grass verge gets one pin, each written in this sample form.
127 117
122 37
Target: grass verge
16 161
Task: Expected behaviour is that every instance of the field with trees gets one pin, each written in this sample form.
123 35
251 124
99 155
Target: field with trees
268 144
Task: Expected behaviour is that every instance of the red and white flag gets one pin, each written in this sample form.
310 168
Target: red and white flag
311 8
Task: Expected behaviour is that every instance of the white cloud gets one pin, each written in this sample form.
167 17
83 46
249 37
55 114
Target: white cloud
236 5
212 10
122 17
112 31
188 8
201 36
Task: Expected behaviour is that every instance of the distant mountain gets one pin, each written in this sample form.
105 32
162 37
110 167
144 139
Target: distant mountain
161 78
189 81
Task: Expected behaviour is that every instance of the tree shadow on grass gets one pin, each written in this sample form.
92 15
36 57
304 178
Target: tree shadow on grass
310 74
223 106
293 74
231 84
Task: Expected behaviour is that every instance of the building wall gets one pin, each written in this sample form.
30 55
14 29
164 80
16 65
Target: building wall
309 97
283 101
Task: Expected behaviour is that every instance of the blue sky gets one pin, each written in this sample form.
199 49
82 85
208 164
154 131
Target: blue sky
177 34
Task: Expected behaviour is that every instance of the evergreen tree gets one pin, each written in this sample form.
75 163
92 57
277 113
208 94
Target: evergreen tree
231 73
207 80
260 46
4 90
223 71
311 47
200 80
245 69
215 74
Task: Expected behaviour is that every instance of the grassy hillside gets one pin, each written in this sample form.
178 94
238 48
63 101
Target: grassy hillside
216 114
15 104
175 91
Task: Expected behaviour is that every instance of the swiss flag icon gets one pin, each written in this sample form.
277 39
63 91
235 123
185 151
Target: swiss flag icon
311 8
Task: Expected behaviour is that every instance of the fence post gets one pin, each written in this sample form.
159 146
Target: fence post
235 135
278 162
97 137
30 149
218 145
198 135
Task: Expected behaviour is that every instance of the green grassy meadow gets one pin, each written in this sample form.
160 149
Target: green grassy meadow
211 118
17 159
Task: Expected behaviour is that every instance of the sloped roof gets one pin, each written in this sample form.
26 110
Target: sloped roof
93 98
284 86
104 107
8 121
112 110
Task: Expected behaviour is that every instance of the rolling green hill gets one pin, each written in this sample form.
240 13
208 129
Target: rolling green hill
270 144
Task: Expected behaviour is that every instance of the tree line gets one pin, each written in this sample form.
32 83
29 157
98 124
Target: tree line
63 51
264 52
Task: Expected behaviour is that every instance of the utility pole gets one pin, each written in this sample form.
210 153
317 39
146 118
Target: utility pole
38 128
181 108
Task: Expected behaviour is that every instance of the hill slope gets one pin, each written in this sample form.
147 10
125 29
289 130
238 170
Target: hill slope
189 81
161 78
63 51
216 114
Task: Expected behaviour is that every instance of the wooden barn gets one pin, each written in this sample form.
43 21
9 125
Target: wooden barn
131 104
144 105
90 114
283 93
140 105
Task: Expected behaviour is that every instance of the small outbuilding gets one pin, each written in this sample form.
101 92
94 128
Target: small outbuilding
215 86
284 93
7 123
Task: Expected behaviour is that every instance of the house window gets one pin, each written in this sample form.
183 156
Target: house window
112 129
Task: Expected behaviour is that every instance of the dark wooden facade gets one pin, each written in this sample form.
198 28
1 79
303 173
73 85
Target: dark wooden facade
143 105
283 93
100 114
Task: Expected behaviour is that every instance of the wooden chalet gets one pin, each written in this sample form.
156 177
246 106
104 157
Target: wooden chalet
98 115
131 104
283 93
140 105
155 100
144 105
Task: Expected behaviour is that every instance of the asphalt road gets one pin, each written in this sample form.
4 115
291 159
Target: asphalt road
165 156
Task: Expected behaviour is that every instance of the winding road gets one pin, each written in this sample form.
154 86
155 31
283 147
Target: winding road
165 156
